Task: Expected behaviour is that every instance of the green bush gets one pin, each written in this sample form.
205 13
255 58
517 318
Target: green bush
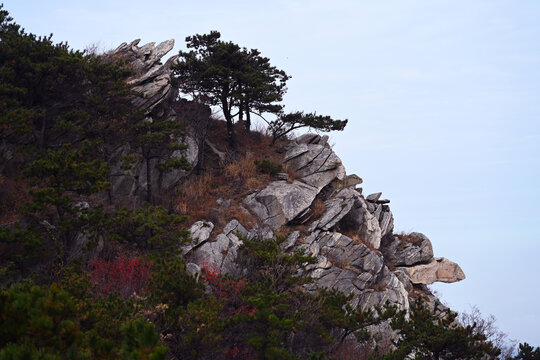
268 167
68 322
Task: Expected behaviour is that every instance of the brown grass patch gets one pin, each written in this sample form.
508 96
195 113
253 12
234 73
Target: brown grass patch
360 240
318 209
378 287
234 179
407 238
293 175
392 267
244 168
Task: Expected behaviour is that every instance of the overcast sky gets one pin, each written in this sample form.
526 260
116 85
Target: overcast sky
443 102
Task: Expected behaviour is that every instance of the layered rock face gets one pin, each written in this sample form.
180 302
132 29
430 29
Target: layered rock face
151 82
353 241
152 77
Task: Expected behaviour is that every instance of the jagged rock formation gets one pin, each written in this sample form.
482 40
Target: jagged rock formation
438 269
151 81
353 240
152 77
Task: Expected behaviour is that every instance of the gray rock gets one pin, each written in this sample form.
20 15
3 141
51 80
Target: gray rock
438 270
221 254
351 181
84 247
234 230
223 203
374 197
336 208
152 77
309 138
409 250
128 186
317 164
280 202
200 232
281 176
291 240
260 232
386 222
212 252
362 223
353 268
193 269
170 178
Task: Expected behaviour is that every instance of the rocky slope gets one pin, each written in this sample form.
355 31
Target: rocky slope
353 239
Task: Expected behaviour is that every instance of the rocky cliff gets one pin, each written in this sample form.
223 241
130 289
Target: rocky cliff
353 240
351 235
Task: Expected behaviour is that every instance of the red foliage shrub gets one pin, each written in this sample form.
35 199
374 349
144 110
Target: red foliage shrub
124 275
221 287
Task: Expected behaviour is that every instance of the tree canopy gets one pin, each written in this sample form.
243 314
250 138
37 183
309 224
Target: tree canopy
286 123
239 81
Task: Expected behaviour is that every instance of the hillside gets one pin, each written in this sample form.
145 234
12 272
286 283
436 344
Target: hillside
134 225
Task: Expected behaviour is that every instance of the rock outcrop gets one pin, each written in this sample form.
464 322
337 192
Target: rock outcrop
152 77
439 269
352 237
151 82
313 159
352 240
280 202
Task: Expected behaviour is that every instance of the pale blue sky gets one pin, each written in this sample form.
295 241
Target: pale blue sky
443 102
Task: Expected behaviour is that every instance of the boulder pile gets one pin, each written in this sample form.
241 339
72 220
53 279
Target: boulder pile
352 240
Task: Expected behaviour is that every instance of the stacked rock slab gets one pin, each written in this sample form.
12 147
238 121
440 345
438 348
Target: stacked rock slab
151 82
152 77
353 241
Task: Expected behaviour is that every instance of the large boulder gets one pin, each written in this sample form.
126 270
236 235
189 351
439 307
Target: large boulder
360 222
221 253
281 203
315 162
353 268
438 270
199 232
336 209
406 250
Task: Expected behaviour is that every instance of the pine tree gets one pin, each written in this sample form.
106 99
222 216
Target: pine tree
235 79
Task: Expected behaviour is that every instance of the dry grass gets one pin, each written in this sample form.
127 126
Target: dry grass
318 209
293 175
234 179
378 287
244 168
392 267
360 240
406 239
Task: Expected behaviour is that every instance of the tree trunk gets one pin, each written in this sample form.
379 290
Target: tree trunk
231 138
148 178
248 120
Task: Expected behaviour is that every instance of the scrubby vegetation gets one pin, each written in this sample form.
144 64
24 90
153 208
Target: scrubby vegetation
62 115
